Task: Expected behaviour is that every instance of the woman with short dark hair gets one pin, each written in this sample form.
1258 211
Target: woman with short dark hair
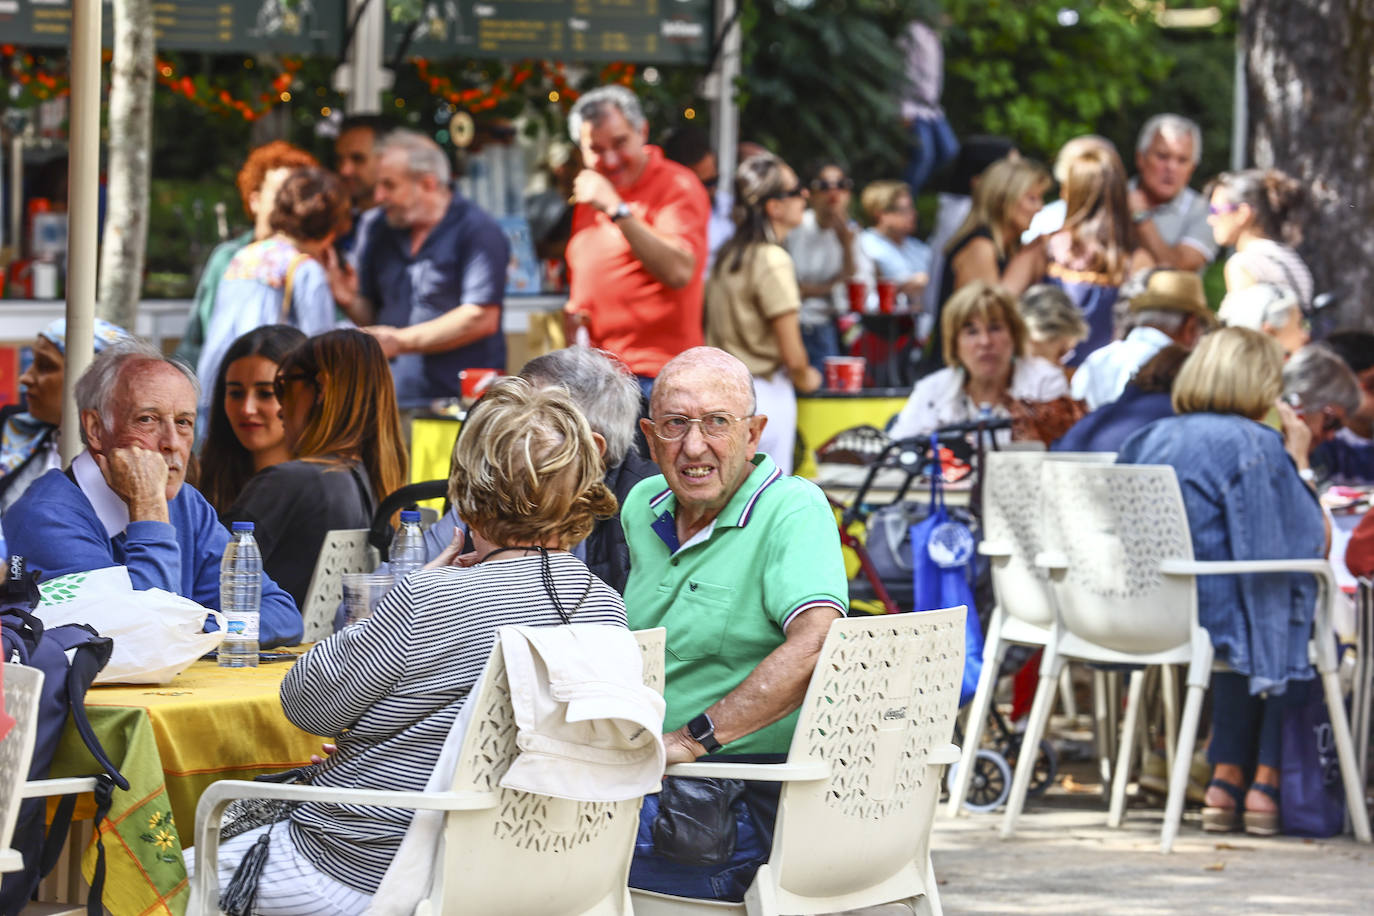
280 279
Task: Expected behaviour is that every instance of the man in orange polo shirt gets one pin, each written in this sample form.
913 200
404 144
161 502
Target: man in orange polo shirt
637 254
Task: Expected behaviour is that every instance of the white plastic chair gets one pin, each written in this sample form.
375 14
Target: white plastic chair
23 686
1024 611
1120 558
862 776
345 550
504 851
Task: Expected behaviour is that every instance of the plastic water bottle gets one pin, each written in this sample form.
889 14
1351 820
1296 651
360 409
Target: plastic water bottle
240 598
408 547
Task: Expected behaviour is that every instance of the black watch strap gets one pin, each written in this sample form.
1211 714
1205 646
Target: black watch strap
703 732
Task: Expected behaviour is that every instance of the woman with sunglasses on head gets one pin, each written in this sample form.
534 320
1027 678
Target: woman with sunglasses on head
245 429
338 412
826 253
1252 211
753 302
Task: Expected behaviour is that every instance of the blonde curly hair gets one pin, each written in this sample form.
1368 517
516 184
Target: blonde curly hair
526 468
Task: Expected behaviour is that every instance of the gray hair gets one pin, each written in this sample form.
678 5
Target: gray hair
1170 321
1049 313
601 386
1316 377
423 155
95 389
1261 304
1171 126
592 107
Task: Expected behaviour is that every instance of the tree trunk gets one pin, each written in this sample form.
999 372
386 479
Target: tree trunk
1310 66
130 145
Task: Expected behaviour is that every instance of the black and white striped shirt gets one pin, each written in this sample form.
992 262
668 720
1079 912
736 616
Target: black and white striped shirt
391 686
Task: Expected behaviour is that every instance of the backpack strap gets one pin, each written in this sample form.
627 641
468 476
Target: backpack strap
57 839
287 287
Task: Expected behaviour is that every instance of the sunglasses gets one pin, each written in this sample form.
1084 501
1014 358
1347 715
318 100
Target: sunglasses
1214 210
843 184
711 183
798 191
280 382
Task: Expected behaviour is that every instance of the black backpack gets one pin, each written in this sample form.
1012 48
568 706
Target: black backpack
70 657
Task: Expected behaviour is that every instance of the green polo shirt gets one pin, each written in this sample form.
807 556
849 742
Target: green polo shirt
727 597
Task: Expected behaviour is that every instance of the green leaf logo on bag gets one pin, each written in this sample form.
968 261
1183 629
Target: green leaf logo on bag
62 589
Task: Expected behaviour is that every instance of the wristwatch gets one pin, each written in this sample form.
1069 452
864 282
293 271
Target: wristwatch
621 211
1308 475
1140 216
703 732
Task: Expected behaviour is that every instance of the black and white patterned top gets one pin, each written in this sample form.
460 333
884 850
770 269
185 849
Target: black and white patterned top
391 686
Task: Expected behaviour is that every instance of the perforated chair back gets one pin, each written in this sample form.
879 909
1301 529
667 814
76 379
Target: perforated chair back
1114 524
885 692
22 688
345 550
533 853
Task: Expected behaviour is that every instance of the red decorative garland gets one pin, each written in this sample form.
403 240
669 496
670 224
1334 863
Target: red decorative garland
221 101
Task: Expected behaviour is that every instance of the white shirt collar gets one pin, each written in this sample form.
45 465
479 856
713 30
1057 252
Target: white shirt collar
109 508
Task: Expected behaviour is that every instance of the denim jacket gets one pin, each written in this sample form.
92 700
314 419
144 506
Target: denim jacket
1245 501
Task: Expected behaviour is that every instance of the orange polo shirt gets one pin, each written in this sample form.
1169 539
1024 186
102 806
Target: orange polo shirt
631 312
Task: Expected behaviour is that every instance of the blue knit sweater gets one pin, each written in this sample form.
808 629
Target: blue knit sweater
55 527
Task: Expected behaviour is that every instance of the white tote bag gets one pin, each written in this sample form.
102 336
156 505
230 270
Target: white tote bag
156 634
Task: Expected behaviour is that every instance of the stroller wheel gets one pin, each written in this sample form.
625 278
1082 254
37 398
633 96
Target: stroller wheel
1046 764
990 784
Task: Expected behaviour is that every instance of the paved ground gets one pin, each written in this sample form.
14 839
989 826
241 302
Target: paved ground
1064 859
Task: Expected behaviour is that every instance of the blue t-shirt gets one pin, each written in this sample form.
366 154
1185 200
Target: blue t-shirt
463 260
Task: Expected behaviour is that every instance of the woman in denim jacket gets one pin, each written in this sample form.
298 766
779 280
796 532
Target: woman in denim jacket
1247 499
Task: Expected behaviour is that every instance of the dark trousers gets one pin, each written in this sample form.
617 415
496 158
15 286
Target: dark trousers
1245 728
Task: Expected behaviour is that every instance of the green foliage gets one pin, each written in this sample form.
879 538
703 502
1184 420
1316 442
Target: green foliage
1027 70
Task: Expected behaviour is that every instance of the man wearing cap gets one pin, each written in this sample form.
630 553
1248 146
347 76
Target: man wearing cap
1171 310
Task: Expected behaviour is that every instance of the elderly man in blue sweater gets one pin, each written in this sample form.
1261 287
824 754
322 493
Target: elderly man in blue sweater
124 502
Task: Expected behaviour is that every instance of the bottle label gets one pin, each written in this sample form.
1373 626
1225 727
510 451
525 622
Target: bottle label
241 626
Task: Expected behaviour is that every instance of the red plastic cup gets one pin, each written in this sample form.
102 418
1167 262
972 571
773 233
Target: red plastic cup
473 383
858 294
845 373
887 297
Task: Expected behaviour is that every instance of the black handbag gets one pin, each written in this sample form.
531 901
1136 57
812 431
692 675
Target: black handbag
696 820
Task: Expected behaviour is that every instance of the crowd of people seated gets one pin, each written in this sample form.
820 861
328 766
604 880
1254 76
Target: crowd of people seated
1084 321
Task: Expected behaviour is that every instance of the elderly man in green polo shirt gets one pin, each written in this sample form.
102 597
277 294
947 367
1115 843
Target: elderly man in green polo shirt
742 565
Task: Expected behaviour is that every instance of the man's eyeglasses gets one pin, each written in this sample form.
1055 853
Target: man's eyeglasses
842 184
280 382
672 427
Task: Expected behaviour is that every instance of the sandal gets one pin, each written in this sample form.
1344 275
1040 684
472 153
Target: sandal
1263 823
1216 819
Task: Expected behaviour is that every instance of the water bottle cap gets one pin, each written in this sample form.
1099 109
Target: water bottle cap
241 526
410 515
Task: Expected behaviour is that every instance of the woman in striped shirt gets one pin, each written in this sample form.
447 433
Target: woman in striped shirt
528 480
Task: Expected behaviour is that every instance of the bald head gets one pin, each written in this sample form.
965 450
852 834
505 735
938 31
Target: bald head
704 370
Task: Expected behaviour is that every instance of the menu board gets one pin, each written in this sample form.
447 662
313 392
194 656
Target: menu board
643 31
285 26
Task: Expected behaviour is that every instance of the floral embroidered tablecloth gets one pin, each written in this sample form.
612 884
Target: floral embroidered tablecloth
171 742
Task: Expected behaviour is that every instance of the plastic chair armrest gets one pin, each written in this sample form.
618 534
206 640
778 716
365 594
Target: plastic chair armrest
1237 567
942 754
230 789
1051 559
994 548
792 771
42 788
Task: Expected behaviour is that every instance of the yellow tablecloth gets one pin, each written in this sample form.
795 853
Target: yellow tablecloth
171 742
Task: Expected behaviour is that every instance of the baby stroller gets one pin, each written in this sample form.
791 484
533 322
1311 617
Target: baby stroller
876 527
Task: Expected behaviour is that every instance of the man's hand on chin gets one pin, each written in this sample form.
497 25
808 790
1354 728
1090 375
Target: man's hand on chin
139 477
681 748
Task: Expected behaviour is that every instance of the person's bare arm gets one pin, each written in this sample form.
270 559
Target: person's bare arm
1026 268
673 263
977 261
1237 277
1177 257
451 330
787 328
772 690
